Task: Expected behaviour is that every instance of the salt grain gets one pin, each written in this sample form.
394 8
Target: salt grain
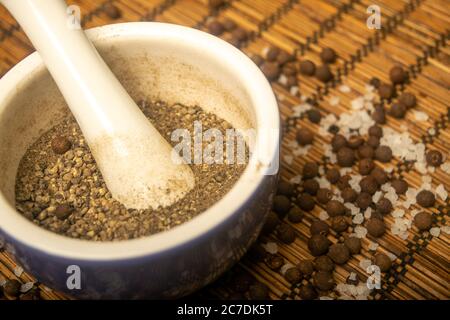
420 115
373 246
368 213
441 192
301 108
18 271
365 263
344 88
435 231
334 101
358 218
445 229
391 256
294 90
288 159
26 287
446 167
398 213
283 79
323 215
377 196
358 103
360 232
271 247
296 179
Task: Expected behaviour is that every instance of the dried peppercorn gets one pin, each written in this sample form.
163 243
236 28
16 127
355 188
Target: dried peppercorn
319 227
376 131
307 67
318 245
398 110
324 263
364 200
304 136
311 186
324 195
345 157
338 142
423 221
286 233
382 261
310 170
366 152
376 227
366 166
386 91
339 224
306 267
353 244
335 208
398 75
285 189
434 158
379 175
328 55
333 175
408 99
307 292
306 202
295 215
324 74
293 275
281 205
339 253
400 186
383 154
259 291
384 206
323 280
426 198
369 185
349 195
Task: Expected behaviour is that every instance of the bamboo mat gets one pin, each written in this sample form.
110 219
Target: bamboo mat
415 34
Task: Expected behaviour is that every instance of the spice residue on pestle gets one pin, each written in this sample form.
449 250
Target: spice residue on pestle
60 188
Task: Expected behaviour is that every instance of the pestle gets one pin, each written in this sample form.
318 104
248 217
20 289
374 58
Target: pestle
136 162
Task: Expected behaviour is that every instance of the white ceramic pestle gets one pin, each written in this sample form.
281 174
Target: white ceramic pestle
136 162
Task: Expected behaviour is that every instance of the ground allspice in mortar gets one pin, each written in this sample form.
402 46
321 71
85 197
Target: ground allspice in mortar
60 188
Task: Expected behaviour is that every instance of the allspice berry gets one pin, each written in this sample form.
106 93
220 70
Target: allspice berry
384 206
310 170
274 261
345 157
324 195
339 224
284 58
324 263
366 166
311 186
285 189
304 136
333 175
272 54
354 142
376 131
434 158
364 200
369 185
343 182
306 202
382 261
319 227
61 145
339 253
398 110
259 291
271 70
335 208
323 280
423 221
383 154
400 186
12 288
349 195
379 175
229 24
353 244
318 245
323 73
63 211
314 115
366 152
398 75
215 28
307 68
338 142
272 221
240 34
386 91
295 215
376 227
328 55
281 205
286 233
307 292
293 275
408 99
306 267
425 198
379 115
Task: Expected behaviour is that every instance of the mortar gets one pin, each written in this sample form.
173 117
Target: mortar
164 62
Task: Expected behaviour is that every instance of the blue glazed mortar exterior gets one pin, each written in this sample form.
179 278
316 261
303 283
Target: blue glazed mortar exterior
169 274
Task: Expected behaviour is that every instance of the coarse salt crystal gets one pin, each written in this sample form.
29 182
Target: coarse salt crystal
325 298
334 101
373 246
301 108
323 215
281 97
427 179
398 213
446 167
344 88
282 79
360 232
441 192
264 51
286 267
365 263
358 218
271 247
358 103
432 131
377 196
323 182
18 271
301 151
420 115
288 158
368 213
26 287
445 229
294 90
435 231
